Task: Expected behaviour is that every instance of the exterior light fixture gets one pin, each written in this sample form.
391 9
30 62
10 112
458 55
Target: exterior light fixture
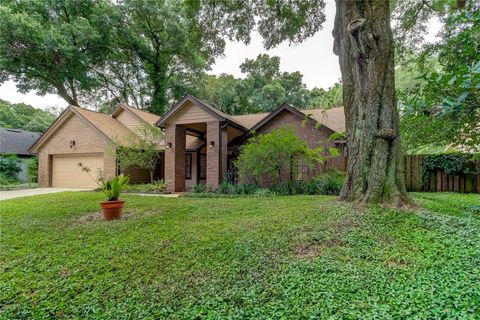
72 144
212 144
169 145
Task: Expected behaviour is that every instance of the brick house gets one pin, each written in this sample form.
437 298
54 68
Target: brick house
200 142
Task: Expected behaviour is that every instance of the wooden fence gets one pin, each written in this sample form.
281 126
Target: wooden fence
439 181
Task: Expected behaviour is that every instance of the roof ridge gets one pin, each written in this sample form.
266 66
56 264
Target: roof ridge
268 112
82 108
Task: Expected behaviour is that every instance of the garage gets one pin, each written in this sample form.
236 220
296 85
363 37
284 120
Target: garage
66 172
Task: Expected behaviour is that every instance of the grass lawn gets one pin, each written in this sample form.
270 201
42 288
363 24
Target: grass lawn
277 257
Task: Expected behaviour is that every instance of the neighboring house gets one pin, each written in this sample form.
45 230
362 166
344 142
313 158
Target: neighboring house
200 144
17 142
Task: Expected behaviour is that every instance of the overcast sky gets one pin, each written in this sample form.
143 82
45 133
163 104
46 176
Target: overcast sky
313 58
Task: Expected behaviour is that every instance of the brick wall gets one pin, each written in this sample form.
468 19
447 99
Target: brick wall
314 138
87 140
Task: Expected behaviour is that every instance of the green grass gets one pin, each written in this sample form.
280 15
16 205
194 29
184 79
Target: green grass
272 257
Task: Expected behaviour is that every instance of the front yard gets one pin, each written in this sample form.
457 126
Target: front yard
274 257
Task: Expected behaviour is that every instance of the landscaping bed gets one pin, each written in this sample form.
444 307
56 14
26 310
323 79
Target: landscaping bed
18 186
266 257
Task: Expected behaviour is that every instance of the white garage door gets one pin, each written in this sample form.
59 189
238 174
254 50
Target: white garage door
66 172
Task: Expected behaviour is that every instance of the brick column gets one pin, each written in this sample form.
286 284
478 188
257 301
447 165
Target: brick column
175 158
44 169
216 155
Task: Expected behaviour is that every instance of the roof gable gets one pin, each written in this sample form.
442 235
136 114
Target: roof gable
144 116
103 123
190 101
277 111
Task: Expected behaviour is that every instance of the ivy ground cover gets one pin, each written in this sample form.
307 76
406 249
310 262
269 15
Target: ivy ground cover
241 258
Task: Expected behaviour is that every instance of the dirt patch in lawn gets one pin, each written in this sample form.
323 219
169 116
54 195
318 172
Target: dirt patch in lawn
331 236
317 249
97 216
397 263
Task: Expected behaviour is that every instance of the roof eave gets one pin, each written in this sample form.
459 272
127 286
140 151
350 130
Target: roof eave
49 129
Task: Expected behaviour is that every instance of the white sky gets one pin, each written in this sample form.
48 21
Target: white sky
314 58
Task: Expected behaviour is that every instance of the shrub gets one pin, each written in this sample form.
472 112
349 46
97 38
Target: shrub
158 186
269 154
9 166
246 188
263 192
7 180
330 182
32 169
199 188
327 183
452 163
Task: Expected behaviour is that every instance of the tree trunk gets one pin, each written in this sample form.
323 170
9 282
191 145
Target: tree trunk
62 92
363 42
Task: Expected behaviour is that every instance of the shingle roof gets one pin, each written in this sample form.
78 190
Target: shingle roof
17 141
111 127
145 116
334 118
249 120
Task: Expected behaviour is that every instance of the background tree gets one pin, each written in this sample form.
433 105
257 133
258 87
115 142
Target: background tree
263 89
100 53
168 45
23 116
222 92
444 107
53 46
332 97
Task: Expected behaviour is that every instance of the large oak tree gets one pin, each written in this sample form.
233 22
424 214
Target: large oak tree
364 45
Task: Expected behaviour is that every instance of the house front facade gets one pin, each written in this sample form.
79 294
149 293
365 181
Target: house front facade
200 142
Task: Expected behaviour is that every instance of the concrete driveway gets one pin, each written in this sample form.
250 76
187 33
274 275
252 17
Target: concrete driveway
11 194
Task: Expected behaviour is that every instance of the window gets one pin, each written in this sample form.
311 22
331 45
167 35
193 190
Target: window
188 166
300 169
203 166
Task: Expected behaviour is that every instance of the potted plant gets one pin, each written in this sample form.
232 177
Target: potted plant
113 207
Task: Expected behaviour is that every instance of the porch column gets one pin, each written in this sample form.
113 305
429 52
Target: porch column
216 153
175 157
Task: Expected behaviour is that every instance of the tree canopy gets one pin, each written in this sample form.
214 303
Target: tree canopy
443 107
145 53
264 88
23 116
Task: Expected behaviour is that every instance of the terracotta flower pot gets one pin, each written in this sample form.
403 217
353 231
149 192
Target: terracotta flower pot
112 209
